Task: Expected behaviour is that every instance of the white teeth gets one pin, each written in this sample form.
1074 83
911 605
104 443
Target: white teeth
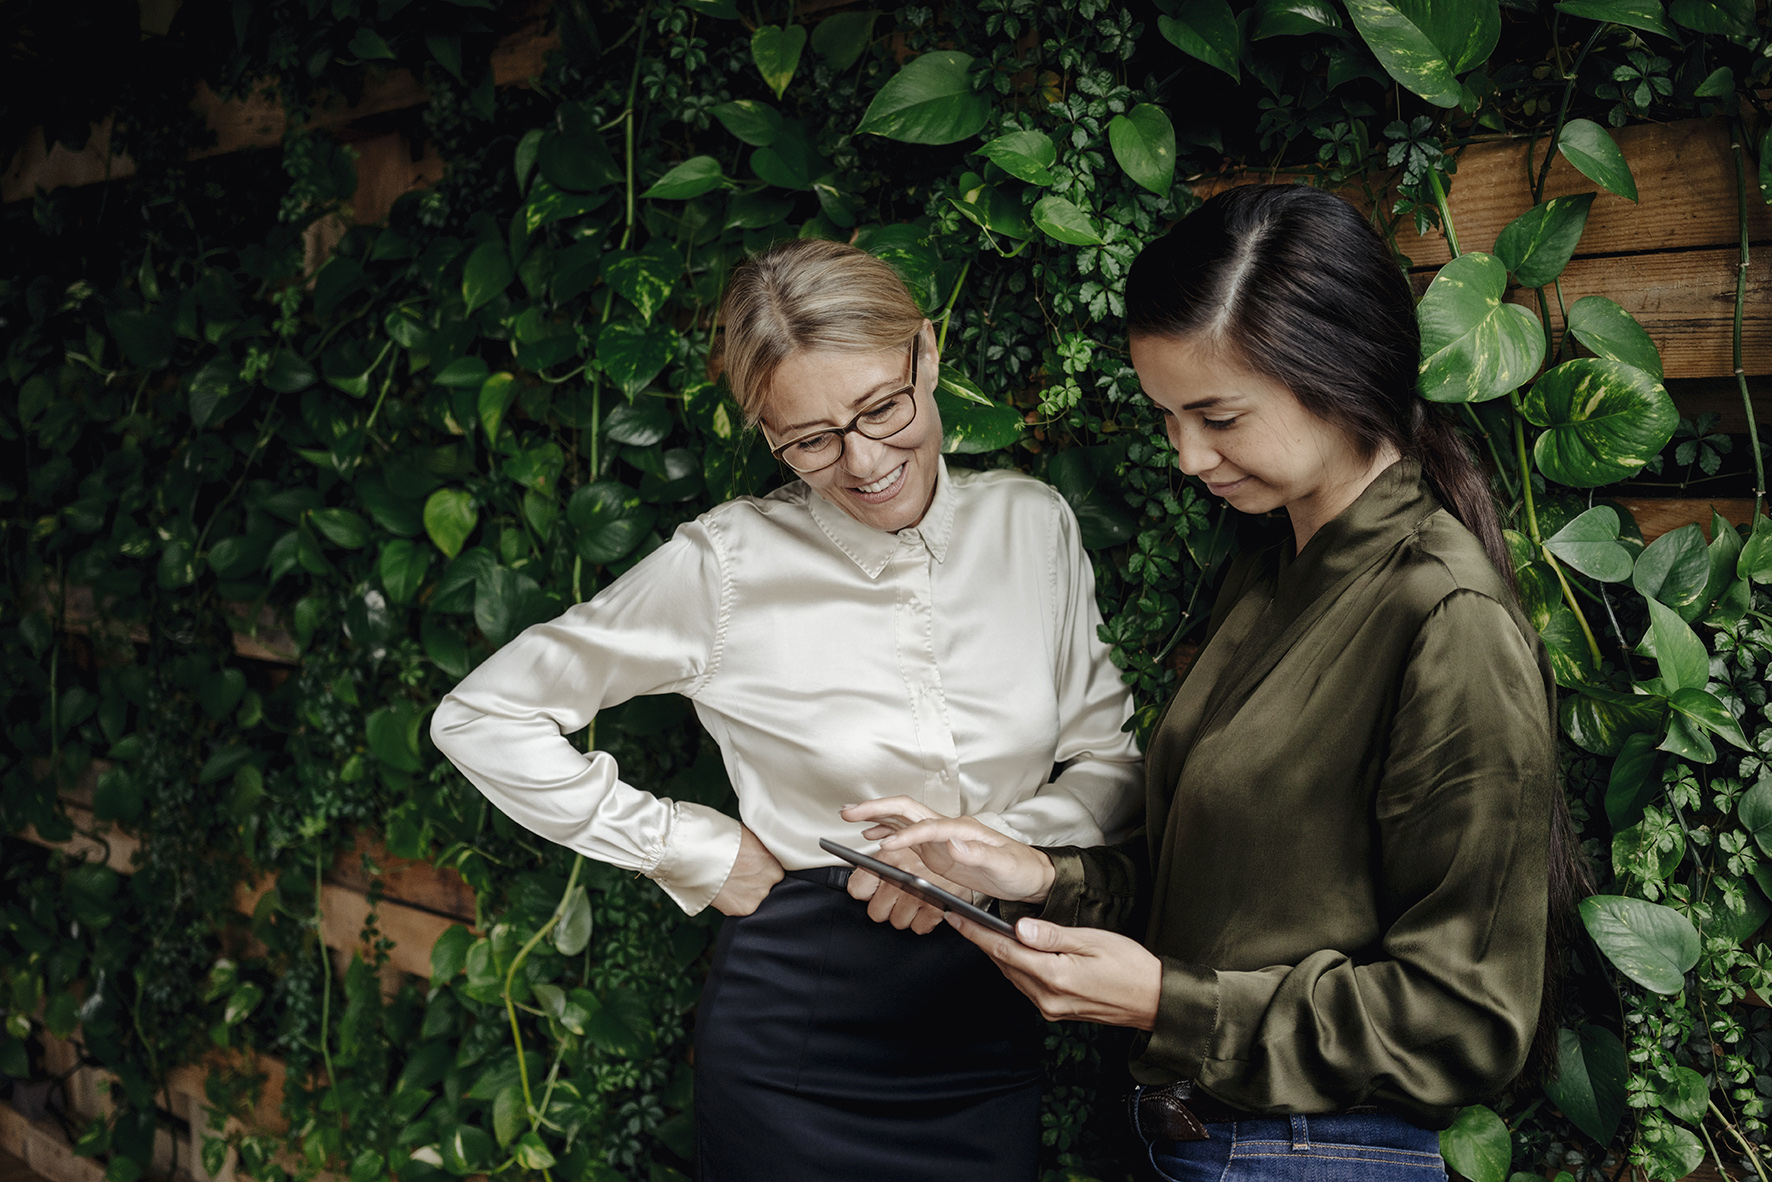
885 482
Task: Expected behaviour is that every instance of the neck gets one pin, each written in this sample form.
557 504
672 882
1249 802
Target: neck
1309 517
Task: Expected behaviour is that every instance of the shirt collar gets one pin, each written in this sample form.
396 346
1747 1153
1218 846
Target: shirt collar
871 549
1384 514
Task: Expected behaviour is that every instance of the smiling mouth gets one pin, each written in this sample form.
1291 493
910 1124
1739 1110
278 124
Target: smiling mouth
884 484
1219 490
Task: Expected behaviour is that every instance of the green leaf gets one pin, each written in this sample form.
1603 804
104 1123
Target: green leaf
1538 244
509 1113
1600 720
224 763
756 123
61 1015
573 933
241 1003
1604 421
579 163
610 518
1474 346
1719 83
548 203
967 427
644 280
1025 155
341 527
1589 543
532 1151
368 45
1728 18
1688 740
1589 1084
1635 781
639 424
497 393
290 373
1754 810
1061 219
466 1149
450 517
1478 1145
1679 654
449 954
777 53
487 275
1613 333
537 468
1590 148
1633 14
789 162
146 338
393 737
1143 141
930 101
506 602
464 373
1677 1152
986 206
1686 1096
1707 711
1651 944
692 178
1674 568
1291 18
1204 29
402 568
633 355
841 37
1756 553
1405 50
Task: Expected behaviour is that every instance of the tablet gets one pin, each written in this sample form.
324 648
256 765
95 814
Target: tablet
920 888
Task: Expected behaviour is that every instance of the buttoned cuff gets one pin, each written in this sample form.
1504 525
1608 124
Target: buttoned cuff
1187 1015
699 853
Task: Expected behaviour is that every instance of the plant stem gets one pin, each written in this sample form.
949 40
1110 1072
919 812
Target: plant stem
1433 178
325 982
1747 402
1714 1155
1489 441
1746 1145
941 338
1563 112
510 978
1593 645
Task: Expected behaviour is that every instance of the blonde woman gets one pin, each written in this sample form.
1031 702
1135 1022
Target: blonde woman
881 626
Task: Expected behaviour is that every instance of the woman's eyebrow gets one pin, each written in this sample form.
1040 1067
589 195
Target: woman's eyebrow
1204 403
854 403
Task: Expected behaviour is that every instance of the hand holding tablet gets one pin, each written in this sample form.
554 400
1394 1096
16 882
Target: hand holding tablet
920 888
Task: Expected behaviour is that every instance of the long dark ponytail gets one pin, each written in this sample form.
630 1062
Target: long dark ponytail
1294 284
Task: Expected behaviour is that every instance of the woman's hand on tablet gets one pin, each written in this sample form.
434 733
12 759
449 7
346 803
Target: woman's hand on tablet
751 876
888 904
1075 973
963 850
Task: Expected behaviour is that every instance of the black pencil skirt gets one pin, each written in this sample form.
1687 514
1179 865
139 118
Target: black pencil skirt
829 1048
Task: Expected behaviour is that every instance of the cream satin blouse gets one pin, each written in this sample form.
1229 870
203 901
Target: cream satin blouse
956 662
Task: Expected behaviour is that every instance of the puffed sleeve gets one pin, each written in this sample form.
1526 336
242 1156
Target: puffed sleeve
657 629
1096 795
1447 1009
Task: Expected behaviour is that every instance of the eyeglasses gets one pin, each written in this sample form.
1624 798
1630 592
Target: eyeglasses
880 420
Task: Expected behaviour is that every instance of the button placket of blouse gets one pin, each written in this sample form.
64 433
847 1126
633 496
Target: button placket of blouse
914 620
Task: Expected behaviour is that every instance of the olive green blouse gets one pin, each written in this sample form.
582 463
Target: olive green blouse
1348 815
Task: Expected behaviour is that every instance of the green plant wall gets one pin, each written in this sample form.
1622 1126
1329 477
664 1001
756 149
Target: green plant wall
492 405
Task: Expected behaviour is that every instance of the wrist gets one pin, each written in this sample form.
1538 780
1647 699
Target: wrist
1048 875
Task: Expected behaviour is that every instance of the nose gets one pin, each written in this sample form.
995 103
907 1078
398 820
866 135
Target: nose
861 455
1194 453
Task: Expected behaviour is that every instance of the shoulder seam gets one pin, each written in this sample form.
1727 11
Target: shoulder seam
725 612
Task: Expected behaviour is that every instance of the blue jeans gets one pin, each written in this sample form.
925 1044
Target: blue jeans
1354 1147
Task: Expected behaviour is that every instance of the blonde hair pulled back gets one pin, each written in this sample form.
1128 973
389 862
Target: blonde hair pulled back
805 295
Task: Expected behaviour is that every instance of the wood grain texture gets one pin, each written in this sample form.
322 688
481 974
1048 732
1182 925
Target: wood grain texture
43 1150
1656 516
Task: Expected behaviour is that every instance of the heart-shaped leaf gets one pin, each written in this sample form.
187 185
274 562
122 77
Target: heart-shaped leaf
1634 781
450 517
1603 421
449 955
841 37
1674 568
1478 1145
1282 18
393 737
1651 944
1143 141
497 393
610 518
930 101
1399 36
987 206
1537 245
1589 1086
488 273
1061 219
777 53
146 337
1679 654
1727 18
756 123
1634 14
341 527
573 932
579 163
1755 812
1706 710
790 161
402 568
644 280
1205 29
967 427
1589 543
1591 149
633 355
1600 720
1613 333
1475 346
1025 155
1755 562
692 178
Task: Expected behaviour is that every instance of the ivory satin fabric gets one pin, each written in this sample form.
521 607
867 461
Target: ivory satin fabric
956 662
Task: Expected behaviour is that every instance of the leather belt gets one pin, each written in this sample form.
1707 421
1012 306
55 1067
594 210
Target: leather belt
835 877
1180 1111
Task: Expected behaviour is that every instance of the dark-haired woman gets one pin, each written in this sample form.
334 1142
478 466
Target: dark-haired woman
1354 830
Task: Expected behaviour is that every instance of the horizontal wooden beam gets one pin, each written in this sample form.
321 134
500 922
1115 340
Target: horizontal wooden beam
1657 516
256 120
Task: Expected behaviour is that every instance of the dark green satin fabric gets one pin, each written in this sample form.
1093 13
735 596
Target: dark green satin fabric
1349 803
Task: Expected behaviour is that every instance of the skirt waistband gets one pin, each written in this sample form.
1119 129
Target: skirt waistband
835 877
